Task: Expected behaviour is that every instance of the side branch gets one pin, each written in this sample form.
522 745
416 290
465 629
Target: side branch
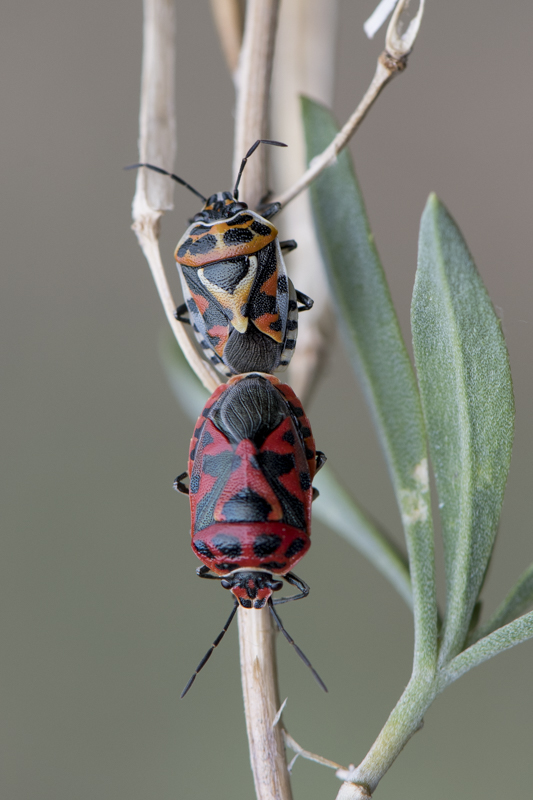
386 69
398 45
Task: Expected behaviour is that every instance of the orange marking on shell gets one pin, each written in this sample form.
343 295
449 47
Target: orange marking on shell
201 302
262 323
222 251
222 333
270 286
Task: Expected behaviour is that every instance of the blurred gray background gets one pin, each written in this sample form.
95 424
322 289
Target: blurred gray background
103 618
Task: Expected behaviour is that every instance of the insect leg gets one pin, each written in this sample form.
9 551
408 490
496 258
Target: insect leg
321 459
179 312
179 486
205 572
207 656
288 245
270 210
306 301
302 655
294 580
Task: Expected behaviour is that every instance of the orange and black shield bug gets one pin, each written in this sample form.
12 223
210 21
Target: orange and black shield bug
241 303
252 461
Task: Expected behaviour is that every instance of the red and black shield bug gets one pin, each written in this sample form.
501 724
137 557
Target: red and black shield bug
252 462
241 303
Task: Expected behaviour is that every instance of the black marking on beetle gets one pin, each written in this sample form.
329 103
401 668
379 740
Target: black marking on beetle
240 220
246 506
202 548
238 236
283 287
228 274
295 546
274 564
293 305
273 465
202 245
297 411
199 230
227 545
275 326
292 324
245 603
194 484
305 481
218 466
309 454
290 344
306 432
288 436
262 230
265 544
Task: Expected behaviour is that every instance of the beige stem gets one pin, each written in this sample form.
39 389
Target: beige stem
304 64
253 96
157 145
261 702
229 18
256 627
386 68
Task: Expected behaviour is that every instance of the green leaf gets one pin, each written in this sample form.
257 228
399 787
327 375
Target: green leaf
516 632
517 601
339 512
186 386
465 384
372 333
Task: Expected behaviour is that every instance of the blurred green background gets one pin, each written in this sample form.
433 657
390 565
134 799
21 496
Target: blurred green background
103 618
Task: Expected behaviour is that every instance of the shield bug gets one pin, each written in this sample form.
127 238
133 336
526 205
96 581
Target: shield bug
251 465
239 299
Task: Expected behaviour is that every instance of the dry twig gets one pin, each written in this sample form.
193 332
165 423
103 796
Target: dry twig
157 144
229 21
393 60
256 629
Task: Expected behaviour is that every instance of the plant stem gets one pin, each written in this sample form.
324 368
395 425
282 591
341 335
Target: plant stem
256 628
261 702
253 96
157 144
386 69
405 720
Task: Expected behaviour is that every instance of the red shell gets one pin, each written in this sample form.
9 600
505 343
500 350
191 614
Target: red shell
251 464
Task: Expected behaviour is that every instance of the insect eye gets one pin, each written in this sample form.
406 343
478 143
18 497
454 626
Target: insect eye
276 586
225 583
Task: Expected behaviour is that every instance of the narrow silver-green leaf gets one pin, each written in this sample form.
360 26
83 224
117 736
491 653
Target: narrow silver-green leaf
372 333
516 632
465 384
519 599
339 512
187 388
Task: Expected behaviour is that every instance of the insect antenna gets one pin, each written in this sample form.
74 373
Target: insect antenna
289 638
252 149
171 175
207 656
